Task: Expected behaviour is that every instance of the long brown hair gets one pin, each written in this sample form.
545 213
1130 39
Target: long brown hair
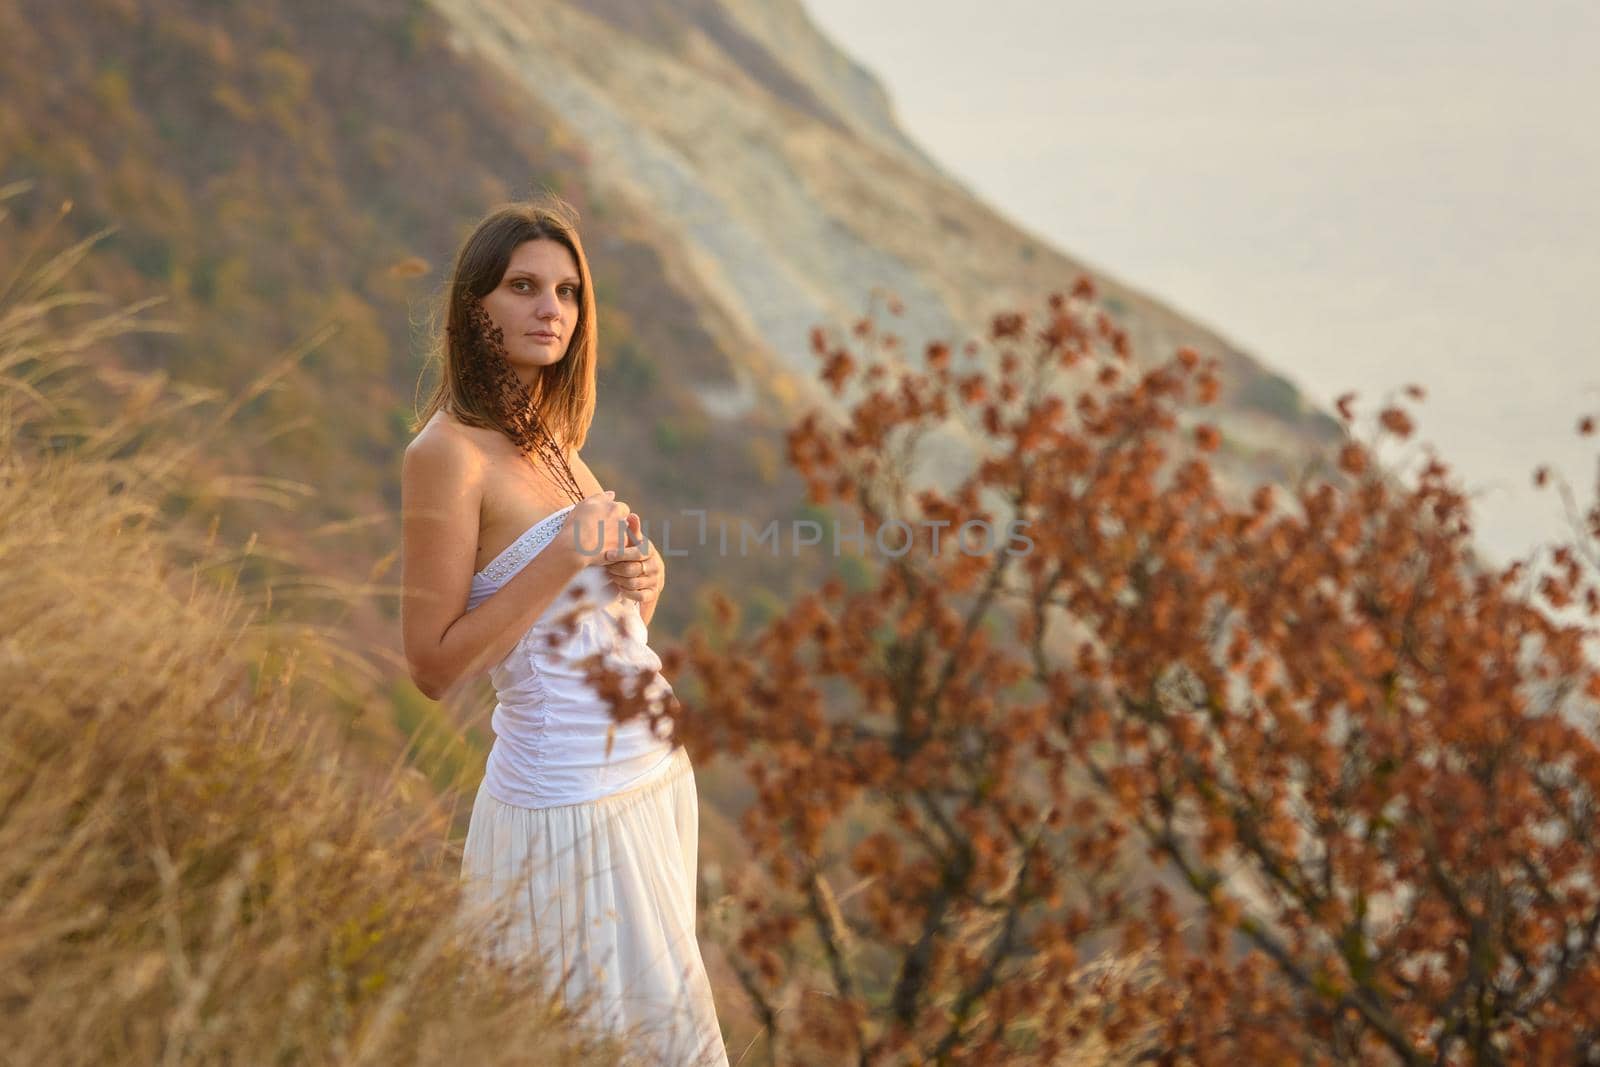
476 383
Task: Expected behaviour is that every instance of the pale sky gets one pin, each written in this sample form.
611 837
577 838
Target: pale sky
1361 194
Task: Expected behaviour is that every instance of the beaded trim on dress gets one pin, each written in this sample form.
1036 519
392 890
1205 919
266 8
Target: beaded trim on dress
524 548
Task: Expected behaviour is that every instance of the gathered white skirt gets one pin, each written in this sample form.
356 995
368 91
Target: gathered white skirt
602 895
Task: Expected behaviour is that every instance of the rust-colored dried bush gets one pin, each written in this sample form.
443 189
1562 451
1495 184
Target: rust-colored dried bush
1204 775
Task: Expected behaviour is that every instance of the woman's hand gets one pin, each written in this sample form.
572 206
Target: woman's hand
597 525
636 569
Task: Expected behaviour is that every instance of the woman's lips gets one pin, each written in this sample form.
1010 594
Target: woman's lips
544 336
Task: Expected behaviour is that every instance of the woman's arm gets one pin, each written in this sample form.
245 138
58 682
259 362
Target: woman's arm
441 489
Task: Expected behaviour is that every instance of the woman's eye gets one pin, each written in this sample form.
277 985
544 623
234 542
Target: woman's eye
571 290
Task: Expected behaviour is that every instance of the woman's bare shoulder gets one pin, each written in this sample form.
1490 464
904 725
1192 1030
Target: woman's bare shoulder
448 446
445 431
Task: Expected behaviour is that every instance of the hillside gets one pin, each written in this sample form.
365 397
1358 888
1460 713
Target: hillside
277 169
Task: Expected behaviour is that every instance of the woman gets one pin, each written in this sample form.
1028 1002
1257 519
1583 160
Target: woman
584 833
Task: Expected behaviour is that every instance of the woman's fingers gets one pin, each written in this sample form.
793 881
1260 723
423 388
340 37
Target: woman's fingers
634 587
629 552
634 568
636 578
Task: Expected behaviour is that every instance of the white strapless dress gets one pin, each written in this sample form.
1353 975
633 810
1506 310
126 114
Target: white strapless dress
583 842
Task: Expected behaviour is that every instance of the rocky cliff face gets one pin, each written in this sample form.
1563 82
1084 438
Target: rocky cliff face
771 166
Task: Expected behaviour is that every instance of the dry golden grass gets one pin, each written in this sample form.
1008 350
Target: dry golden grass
190 872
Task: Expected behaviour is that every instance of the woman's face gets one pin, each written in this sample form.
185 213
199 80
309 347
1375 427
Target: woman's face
536 305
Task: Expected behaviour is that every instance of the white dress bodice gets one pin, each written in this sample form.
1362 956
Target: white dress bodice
555 740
